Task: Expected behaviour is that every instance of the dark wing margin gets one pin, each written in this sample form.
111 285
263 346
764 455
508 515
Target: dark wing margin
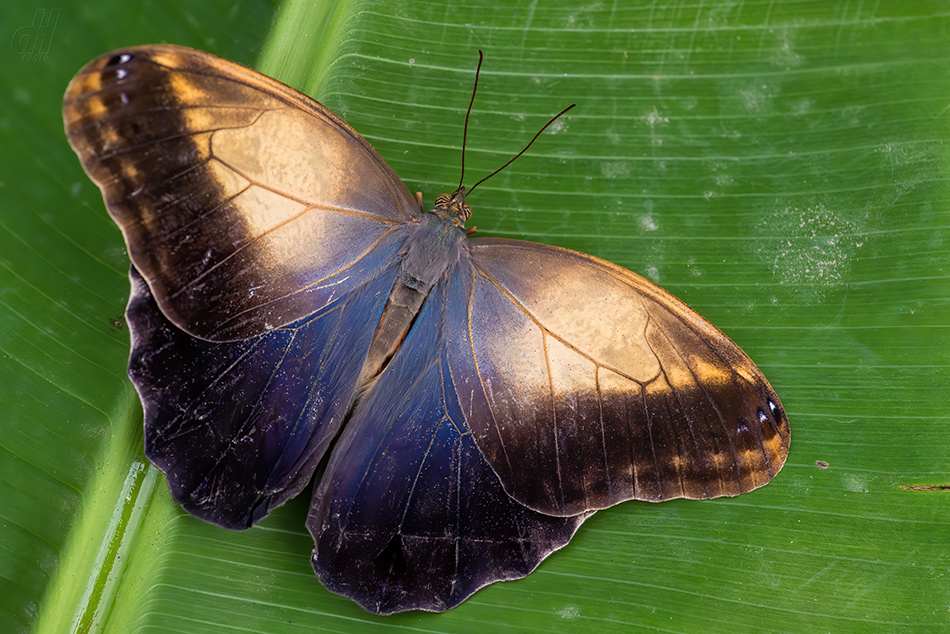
408 515
585 385
244 204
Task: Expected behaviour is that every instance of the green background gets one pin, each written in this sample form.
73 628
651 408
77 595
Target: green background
782 167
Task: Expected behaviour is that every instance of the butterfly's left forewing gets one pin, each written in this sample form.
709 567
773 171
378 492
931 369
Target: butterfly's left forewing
585 385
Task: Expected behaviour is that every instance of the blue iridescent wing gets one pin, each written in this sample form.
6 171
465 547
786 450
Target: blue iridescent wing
239 427
408 514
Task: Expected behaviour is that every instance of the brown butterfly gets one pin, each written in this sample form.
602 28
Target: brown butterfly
465 402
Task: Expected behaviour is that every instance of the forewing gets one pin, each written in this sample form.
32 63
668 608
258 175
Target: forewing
408 515
239 427
243 203
586 385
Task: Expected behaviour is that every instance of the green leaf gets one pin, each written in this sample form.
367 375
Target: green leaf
782 167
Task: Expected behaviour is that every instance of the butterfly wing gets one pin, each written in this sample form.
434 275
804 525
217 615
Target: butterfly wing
244 204
585 385
264 235
408 514
240 426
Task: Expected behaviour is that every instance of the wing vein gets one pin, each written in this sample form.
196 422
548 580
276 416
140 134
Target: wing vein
478 372
603 430
554 421
686 410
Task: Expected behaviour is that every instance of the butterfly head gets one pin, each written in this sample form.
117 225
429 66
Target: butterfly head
453 207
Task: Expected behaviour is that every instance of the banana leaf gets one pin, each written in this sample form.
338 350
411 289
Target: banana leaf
782 167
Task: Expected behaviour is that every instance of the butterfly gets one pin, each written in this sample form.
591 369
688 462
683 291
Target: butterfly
462 404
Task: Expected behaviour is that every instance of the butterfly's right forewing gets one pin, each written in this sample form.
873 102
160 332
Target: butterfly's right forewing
244 204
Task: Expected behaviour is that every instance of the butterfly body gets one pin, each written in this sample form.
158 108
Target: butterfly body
466 403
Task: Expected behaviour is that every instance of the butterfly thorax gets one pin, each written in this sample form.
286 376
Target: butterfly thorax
434 244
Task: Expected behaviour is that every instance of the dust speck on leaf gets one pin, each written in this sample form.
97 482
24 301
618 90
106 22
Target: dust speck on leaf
784 55
756 100
654 118
810 248
616 169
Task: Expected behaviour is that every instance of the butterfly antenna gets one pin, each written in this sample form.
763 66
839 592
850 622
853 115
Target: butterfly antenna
467 114
553 119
